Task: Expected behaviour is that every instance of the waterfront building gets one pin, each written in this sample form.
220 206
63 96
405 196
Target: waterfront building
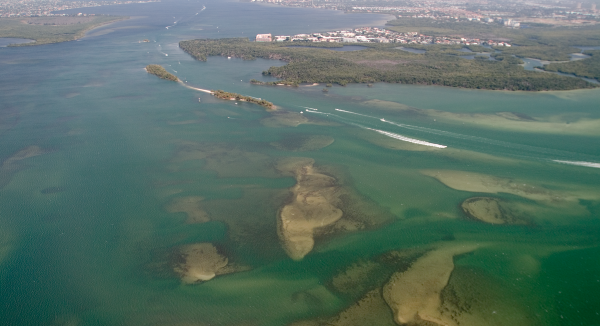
263 38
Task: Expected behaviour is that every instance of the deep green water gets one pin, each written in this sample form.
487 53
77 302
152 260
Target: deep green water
82 223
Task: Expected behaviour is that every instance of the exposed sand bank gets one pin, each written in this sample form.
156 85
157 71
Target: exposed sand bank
313 205
300 143
414 295
477 182
515 121
201 262
491 210
425 289
191 207
320 205
362 281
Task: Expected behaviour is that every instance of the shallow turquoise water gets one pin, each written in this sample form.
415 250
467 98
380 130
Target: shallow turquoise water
82 223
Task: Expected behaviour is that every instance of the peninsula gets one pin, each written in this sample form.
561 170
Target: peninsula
46 30
159 71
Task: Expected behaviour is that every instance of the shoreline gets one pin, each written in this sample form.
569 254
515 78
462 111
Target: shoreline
77 36
83 33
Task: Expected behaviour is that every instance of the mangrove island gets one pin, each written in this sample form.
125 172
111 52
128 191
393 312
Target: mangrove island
237 97
159 71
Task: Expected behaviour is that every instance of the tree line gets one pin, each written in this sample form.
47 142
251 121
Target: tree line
385 63
159 71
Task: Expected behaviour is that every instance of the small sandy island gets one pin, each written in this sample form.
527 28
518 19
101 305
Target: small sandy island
320 206
313 205
201 262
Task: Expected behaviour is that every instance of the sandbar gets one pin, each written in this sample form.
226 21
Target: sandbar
313 205
490 210
477 182
516 121
414 295
199 262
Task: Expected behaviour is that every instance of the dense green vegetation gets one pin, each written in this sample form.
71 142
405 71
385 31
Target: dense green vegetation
383 63
234 96
589 68
159 71
43 31
543 42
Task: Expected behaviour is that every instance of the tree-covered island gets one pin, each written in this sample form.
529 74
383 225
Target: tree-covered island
159 71
237 97
441 64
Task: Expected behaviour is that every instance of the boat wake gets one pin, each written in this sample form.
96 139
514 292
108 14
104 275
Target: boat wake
385 133
407 139
487 141
580 163
524 151
178 20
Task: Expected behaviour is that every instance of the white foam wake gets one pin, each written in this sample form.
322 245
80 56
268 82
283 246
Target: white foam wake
364 115
580 163
410 140
464 137
310 110
386 133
